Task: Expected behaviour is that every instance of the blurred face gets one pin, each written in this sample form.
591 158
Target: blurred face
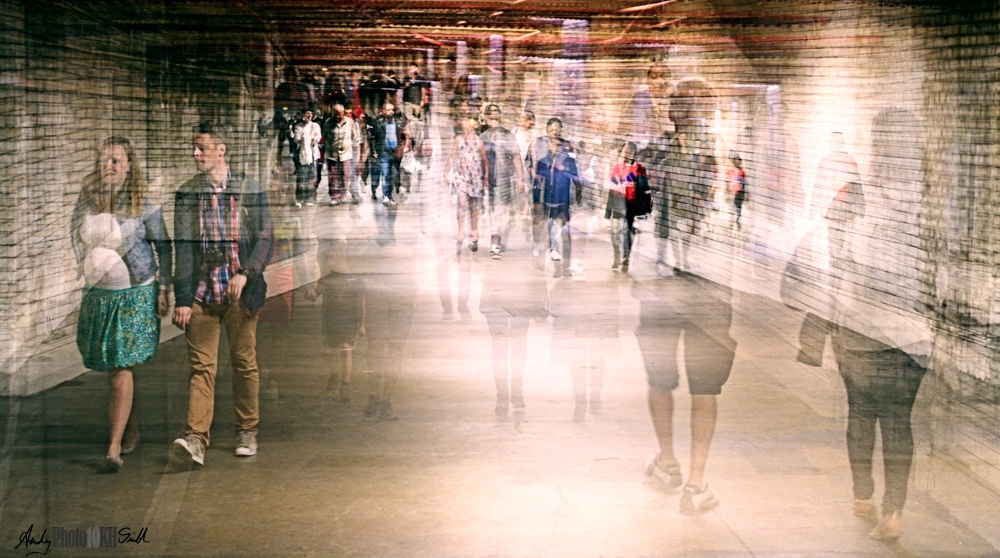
525 122
338 113
413 71
208 154
628 152
657 79
114 166
388 110
493 119
307 116
554 130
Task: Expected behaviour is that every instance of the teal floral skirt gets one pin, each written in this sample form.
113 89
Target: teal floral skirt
118 329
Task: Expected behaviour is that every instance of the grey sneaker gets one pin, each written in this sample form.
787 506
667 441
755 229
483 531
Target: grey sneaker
669 476
189 450
246 445
385 412
696 500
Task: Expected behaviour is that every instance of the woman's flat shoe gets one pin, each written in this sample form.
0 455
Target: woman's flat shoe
130 449
113 463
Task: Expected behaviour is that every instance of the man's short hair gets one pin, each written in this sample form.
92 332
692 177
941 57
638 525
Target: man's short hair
493 107
219 133
552 121
339 106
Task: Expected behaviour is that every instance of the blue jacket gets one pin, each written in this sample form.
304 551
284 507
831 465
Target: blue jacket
140 237
553 186
256 237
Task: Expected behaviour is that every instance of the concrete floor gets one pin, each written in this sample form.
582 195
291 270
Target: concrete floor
450 477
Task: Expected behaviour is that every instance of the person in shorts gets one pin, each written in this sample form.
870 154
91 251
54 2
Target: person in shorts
709 351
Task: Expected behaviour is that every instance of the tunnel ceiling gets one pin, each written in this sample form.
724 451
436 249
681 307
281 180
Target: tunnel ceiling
318 32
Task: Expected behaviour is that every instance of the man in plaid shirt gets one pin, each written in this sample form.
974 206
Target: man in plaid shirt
225 239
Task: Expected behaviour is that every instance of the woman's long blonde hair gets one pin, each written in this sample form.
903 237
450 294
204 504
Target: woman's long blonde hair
101 199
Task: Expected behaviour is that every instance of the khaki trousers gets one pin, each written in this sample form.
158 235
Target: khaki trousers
202 334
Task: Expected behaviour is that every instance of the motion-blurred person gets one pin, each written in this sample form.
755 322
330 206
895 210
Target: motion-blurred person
882 337
116 228
584 334
357 119
628 198
682 188
656 158
709 351
416 93
339 139
525 134
389 299
505 180
343 316
387 140
307 135
512 295
466 171
736 180
646 114
288 99
835 172
705 170
552 168
224 241
294 265
377 90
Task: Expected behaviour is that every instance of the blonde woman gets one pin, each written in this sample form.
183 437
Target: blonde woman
115 231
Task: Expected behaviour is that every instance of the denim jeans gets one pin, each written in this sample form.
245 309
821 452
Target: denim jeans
384 169
882 386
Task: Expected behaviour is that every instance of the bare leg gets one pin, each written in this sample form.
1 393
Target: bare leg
704 410
661 410
376 366
347 353
344 389
474 220
460 211
333 383
119 407
394 356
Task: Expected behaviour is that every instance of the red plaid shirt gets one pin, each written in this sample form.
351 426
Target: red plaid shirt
220 231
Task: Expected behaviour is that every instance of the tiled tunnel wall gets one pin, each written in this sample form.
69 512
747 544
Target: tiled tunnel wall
68 84
911 89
